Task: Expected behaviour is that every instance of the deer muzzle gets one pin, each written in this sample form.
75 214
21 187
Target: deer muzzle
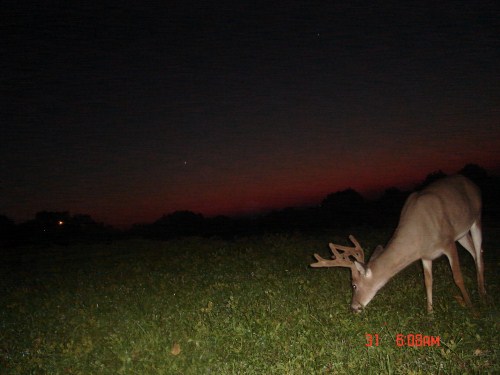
356 307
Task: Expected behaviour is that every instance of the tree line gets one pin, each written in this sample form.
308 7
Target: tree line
341 209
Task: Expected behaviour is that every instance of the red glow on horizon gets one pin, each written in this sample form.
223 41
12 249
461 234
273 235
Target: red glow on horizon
278 192
262 199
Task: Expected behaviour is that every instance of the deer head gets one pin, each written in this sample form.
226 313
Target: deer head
363 288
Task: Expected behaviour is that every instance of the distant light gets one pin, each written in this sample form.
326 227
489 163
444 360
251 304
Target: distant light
60 222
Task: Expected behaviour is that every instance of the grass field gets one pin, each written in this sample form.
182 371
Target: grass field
248 306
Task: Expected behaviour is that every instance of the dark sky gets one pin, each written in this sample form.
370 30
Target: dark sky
128 111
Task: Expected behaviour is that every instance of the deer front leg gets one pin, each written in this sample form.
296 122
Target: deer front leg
427 264
452 255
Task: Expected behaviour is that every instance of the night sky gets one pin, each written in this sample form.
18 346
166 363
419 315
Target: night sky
130 111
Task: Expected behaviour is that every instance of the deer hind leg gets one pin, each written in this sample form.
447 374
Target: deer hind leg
472 242
452 255
427 264
477 239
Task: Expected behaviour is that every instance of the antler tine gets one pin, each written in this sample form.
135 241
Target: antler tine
356 251
338 260
322 262
359 253
341 259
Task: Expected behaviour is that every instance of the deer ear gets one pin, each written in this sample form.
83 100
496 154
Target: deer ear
360 267
363 270
368 272
378 250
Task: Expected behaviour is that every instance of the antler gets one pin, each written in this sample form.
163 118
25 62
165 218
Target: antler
341 259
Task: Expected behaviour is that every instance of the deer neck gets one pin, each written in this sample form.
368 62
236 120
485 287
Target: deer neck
400 252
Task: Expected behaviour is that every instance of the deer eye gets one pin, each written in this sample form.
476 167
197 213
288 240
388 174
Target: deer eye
354 287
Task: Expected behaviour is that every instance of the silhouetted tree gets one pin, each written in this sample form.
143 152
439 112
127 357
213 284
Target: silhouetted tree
388 207
62 228
6 224
490 188
51 224
220 226
50 220
431 177
342 199
344 208
475 173
286 220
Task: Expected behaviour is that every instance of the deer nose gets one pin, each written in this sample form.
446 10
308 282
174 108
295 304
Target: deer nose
356 308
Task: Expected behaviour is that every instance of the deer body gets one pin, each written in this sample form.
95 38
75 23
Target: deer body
431 221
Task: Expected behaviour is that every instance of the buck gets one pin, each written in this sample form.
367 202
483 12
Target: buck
431 221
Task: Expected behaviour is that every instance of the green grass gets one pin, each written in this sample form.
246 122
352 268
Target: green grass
251 306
